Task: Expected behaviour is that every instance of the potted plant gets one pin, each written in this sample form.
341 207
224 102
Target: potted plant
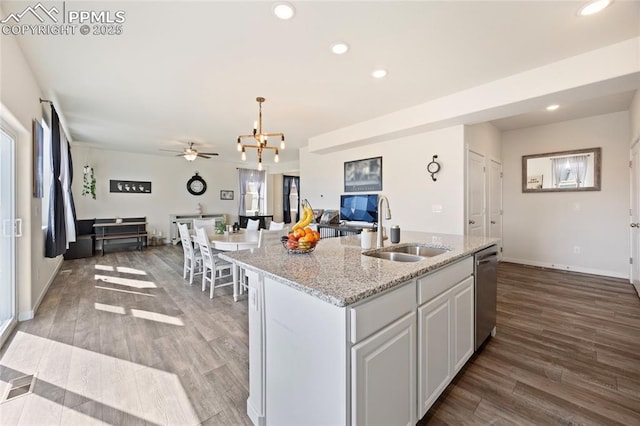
88 182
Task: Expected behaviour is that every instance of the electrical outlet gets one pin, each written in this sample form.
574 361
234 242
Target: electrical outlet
576 249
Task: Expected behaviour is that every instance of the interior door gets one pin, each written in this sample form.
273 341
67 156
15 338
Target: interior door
635 215
7 235
475 194
494 227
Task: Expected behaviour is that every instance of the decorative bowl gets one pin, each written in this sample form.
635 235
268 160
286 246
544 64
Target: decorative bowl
312 246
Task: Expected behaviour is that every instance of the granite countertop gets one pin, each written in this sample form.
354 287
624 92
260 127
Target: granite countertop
337 271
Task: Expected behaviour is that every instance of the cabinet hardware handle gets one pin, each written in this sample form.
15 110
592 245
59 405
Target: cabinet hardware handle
471 222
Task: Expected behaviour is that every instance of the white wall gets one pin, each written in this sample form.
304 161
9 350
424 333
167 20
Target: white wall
168 176
20 105
484 138
543 228
405 180
634 116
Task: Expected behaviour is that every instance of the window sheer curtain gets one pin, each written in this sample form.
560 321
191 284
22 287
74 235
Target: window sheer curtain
579 164
558 166
245 177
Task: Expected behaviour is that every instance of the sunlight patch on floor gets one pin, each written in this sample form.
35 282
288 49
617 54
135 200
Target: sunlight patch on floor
125 281
154 316
124 291
146 393
109 308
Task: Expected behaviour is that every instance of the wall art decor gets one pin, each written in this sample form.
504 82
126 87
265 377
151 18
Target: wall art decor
130 186
363 175
38 153
226 195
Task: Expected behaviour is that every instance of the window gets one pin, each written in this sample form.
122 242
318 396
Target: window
293 199
253 185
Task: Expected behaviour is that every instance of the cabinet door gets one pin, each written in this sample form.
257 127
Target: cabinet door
434 354
383 376
463 330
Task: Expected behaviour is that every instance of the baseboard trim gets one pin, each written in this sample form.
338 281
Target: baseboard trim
568 268
25 316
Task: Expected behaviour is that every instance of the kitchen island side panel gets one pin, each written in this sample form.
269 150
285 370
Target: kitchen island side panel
306 358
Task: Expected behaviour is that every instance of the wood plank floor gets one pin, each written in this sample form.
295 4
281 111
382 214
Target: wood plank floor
567 352
121 339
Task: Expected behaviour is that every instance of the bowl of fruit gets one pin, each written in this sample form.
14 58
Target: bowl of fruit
302 238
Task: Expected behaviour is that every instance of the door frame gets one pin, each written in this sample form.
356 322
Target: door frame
634 234
490 196
13 135
468 151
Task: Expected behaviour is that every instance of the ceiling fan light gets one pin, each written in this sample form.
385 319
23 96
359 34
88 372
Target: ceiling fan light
190 156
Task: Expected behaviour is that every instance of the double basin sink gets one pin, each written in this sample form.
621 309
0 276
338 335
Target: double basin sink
408 253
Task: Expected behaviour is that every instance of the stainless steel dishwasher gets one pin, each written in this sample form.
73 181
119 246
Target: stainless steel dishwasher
486 274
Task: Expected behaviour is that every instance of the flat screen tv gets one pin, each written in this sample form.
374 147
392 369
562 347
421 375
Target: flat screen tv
359 208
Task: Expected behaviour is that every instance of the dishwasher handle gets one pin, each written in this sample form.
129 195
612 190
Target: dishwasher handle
489 257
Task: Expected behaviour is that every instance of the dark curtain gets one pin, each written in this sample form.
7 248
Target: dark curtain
287 182
73 204
56 243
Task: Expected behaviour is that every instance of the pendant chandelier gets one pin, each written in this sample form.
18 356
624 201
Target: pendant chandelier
259 138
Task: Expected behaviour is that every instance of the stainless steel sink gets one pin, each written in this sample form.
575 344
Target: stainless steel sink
408 253
395 256
419 250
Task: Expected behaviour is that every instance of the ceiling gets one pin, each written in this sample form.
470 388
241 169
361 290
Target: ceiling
190 71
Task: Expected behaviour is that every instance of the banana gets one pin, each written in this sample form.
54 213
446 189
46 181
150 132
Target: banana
300 223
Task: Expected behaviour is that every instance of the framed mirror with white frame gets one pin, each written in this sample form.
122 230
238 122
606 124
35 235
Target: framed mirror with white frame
563 171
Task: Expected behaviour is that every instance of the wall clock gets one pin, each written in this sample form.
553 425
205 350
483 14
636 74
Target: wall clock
433 167
196 185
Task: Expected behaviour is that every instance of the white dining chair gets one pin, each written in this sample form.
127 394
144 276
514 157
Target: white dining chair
276 226
269 237
204 223
252 225
192 259
212 266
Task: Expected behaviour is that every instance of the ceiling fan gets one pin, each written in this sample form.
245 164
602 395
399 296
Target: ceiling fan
190 153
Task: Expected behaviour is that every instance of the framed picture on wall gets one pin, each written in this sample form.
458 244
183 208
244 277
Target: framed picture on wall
226 195
363 175
38 171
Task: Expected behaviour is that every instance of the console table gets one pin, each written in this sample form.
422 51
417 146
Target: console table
129 229
261 217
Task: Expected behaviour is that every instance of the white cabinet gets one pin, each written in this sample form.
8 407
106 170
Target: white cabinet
445 340
382 361
383 376
463 326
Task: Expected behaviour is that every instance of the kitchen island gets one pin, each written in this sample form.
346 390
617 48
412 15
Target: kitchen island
338 337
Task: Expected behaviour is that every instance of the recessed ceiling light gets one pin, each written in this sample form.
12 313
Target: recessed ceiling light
553 107
379 73
339 47
593 7
284 10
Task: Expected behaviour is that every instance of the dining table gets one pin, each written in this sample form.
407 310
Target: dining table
232 241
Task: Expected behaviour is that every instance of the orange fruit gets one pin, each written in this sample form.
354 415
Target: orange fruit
308 231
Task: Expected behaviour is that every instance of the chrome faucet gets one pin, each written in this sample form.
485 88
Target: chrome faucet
380 242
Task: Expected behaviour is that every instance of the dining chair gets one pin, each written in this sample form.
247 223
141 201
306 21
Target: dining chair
252 225
269 237
192 259
276 225
212 266
204 223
